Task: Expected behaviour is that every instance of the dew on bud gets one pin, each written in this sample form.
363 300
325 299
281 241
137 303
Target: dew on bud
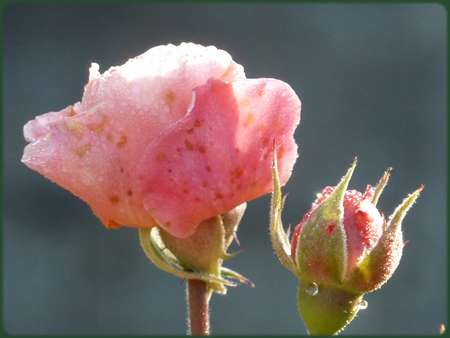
363 304
312 289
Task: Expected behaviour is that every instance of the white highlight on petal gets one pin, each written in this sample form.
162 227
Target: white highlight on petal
94 71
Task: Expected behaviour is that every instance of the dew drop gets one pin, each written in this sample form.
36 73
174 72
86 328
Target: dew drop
363 304
312 289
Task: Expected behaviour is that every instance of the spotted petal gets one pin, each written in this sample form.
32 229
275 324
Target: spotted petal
219 155
93 147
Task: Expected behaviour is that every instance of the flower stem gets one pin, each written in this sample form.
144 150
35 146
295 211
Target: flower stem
197 298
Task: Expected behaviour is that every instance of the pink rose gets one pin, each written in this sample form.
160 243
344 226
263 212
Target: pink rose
172 137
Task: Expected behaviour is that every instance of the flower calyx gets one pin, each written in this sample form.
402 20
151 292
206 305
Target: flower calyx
201 255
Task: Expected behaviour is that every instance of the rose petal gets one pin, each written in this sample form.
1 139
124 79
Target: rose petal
40 126
363 226
92 148
220 154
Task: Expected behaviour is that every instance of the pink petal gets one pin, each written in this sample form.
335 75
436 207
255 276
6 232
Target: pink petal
220 154
363 226
92 148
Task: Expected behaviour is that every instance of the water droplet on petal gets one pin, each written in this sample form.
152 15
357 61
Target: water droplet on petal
312 289
363 304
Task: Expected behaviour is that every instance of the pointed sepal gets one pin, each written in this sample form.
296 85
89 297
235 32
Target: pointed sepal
321 254
279 238
381 185
158 254
202 251
199 256
231 221
395 220
233 275
378 266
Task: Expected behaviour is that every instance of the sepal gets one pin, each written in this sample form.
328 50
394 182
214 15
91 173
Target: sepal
323 254
280 240
378 266
199 256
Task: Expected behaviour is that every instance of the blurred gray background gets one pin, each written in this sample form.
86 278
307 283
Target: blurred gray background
372 79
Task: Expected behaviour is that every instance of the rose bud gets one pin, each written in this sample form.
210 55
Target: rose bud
341 249
173 138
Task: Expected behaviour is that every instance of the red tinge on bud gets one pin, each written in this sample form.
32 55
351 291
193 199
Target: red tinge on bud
363 223
342 249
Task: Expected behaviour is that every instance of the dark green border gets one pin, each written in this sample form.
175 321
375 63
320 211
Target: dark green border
5 3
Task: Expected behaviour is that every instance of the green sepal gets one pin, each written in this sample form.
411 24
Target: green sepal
321 253
378 266
158 254
379 188
395 220
201 251
231 221
327 311
280 240
199 256
228 273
